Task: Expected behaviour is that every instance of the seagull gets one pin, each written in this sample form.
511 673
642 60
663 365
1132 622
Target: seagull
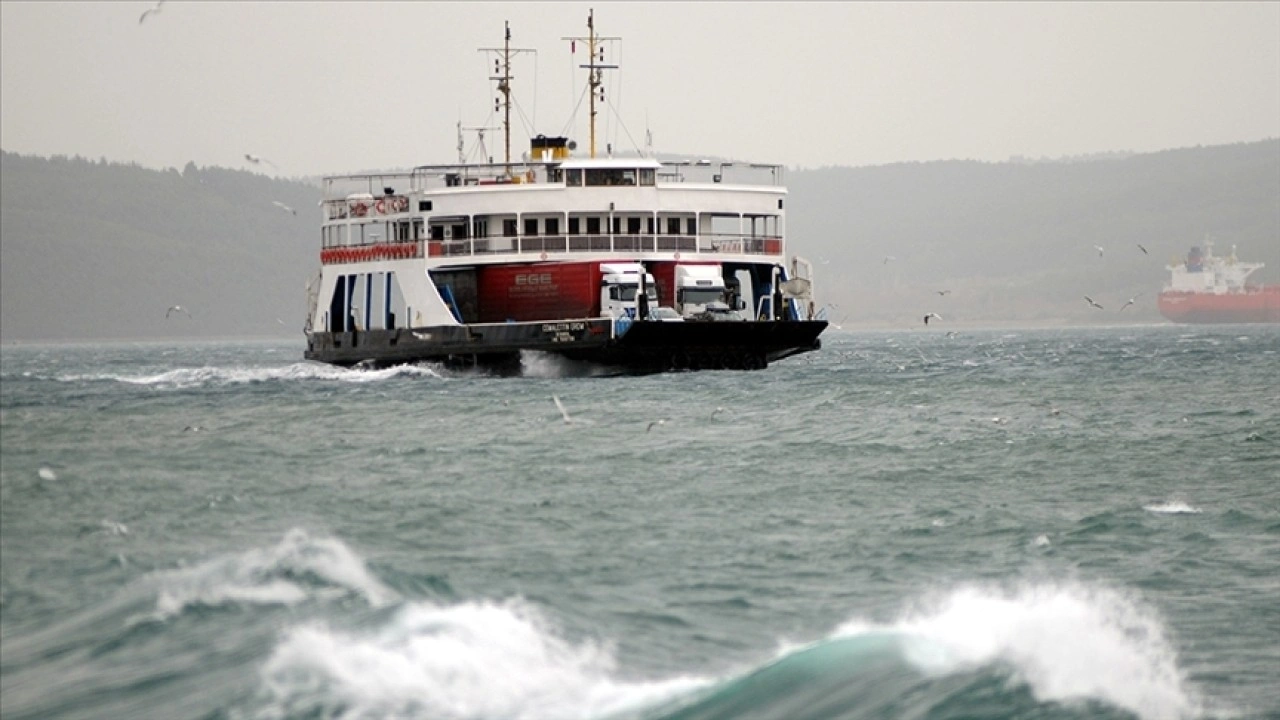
663 421
887 258
284 207
952 333
1091 302
258 160
1099 249
1144 250
563 412
716 412
174 309
931 315
1131 301
153 10
943 292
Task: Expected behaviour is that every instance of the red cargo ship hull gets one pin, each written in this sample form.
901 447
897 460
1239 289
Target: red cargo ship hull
1256 305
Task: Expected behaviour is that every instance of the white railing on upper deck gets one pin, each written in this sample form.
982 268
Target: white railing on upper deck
433 177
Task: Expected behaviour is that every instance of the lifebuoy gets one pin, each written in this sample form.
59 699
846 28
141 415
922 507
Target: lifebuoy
543 256
359 209
380 206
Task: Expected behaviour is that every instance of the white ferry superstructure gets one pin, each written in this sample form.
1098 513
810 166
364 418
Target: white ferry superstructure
629 262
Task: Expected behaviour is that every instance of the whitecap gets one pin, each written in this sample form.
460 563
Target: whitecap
270 576
1066 642
472 660
47 473
196 377
1172 507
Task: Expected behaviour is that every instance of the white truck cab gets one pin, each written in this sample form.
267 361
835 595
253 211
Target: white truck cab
619 287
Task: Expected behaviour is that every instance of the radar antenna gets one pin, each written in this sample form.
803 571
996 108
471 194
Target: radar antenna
502 74
595 67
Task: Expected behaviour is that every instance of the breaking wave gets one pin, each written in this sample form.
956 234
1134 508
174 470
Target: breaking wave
296 569
474 660
1089 652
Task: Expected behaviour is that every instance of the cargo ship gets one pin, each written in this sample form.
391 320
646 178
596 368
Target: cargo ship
634 263
1206 288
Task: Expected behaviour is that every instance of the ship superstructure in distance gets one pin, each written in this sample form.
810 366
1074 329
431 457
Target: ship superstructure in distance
1207 288
631 262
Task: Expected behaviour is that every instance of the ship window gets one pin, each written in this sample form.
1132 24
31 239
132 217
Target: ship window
646 177
417 229
693 226
617 225
553 226
574 228
509 228
593 226
633 226
480 228
531 226
650 225
424 206
573 178
673 226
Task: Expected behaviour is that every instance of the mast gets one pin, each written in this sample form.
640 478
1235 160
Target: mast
502 73
595 67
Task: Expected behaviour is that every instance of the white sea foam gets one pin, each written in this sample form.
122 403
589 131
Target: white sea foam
196 377
46 473
473 660
1172 507
549 365
269 577
1068 643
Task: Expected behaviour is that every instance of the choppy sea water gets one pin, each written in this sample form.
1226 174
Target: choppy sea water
1071 523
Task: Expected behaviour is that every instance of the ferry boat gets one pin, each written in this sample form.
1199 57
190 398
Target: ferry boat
1206 288
631 262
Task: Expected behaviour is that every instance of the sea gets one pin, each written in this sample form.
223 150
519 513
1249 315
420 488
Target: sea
1050 523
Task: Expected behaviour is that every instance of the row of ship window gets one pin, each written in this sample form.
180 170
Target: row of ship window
413 230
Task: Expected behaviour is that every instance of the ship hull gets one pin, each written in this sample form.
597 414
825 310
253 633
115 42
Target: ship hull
645 347
1257 305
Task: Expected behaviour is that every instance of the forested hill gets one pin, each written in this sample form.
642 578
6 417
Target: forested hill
100 250
97 250
1014 242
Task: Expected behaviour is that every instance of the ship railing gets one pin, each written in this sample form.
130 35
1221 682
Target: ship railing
620 243
338 188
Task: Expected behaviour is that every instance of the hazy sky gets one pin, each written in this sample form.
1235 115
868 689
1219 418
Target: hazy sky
332 87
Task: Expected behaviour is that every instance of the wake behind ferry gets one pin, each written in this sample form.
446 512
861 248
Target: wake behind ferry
629 262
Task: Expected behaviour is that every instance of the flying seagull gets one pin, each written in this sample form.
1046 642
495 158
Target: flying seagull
931 315
1099 249
564 413
663 421
887 258
153 10
1131 301
258 160
174 309
284 207
716 412
943 292
1144 250
1091 302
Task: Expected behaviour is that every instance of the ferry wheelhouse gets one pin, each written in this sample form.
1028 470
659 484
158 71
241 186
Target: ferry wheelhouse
629 262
